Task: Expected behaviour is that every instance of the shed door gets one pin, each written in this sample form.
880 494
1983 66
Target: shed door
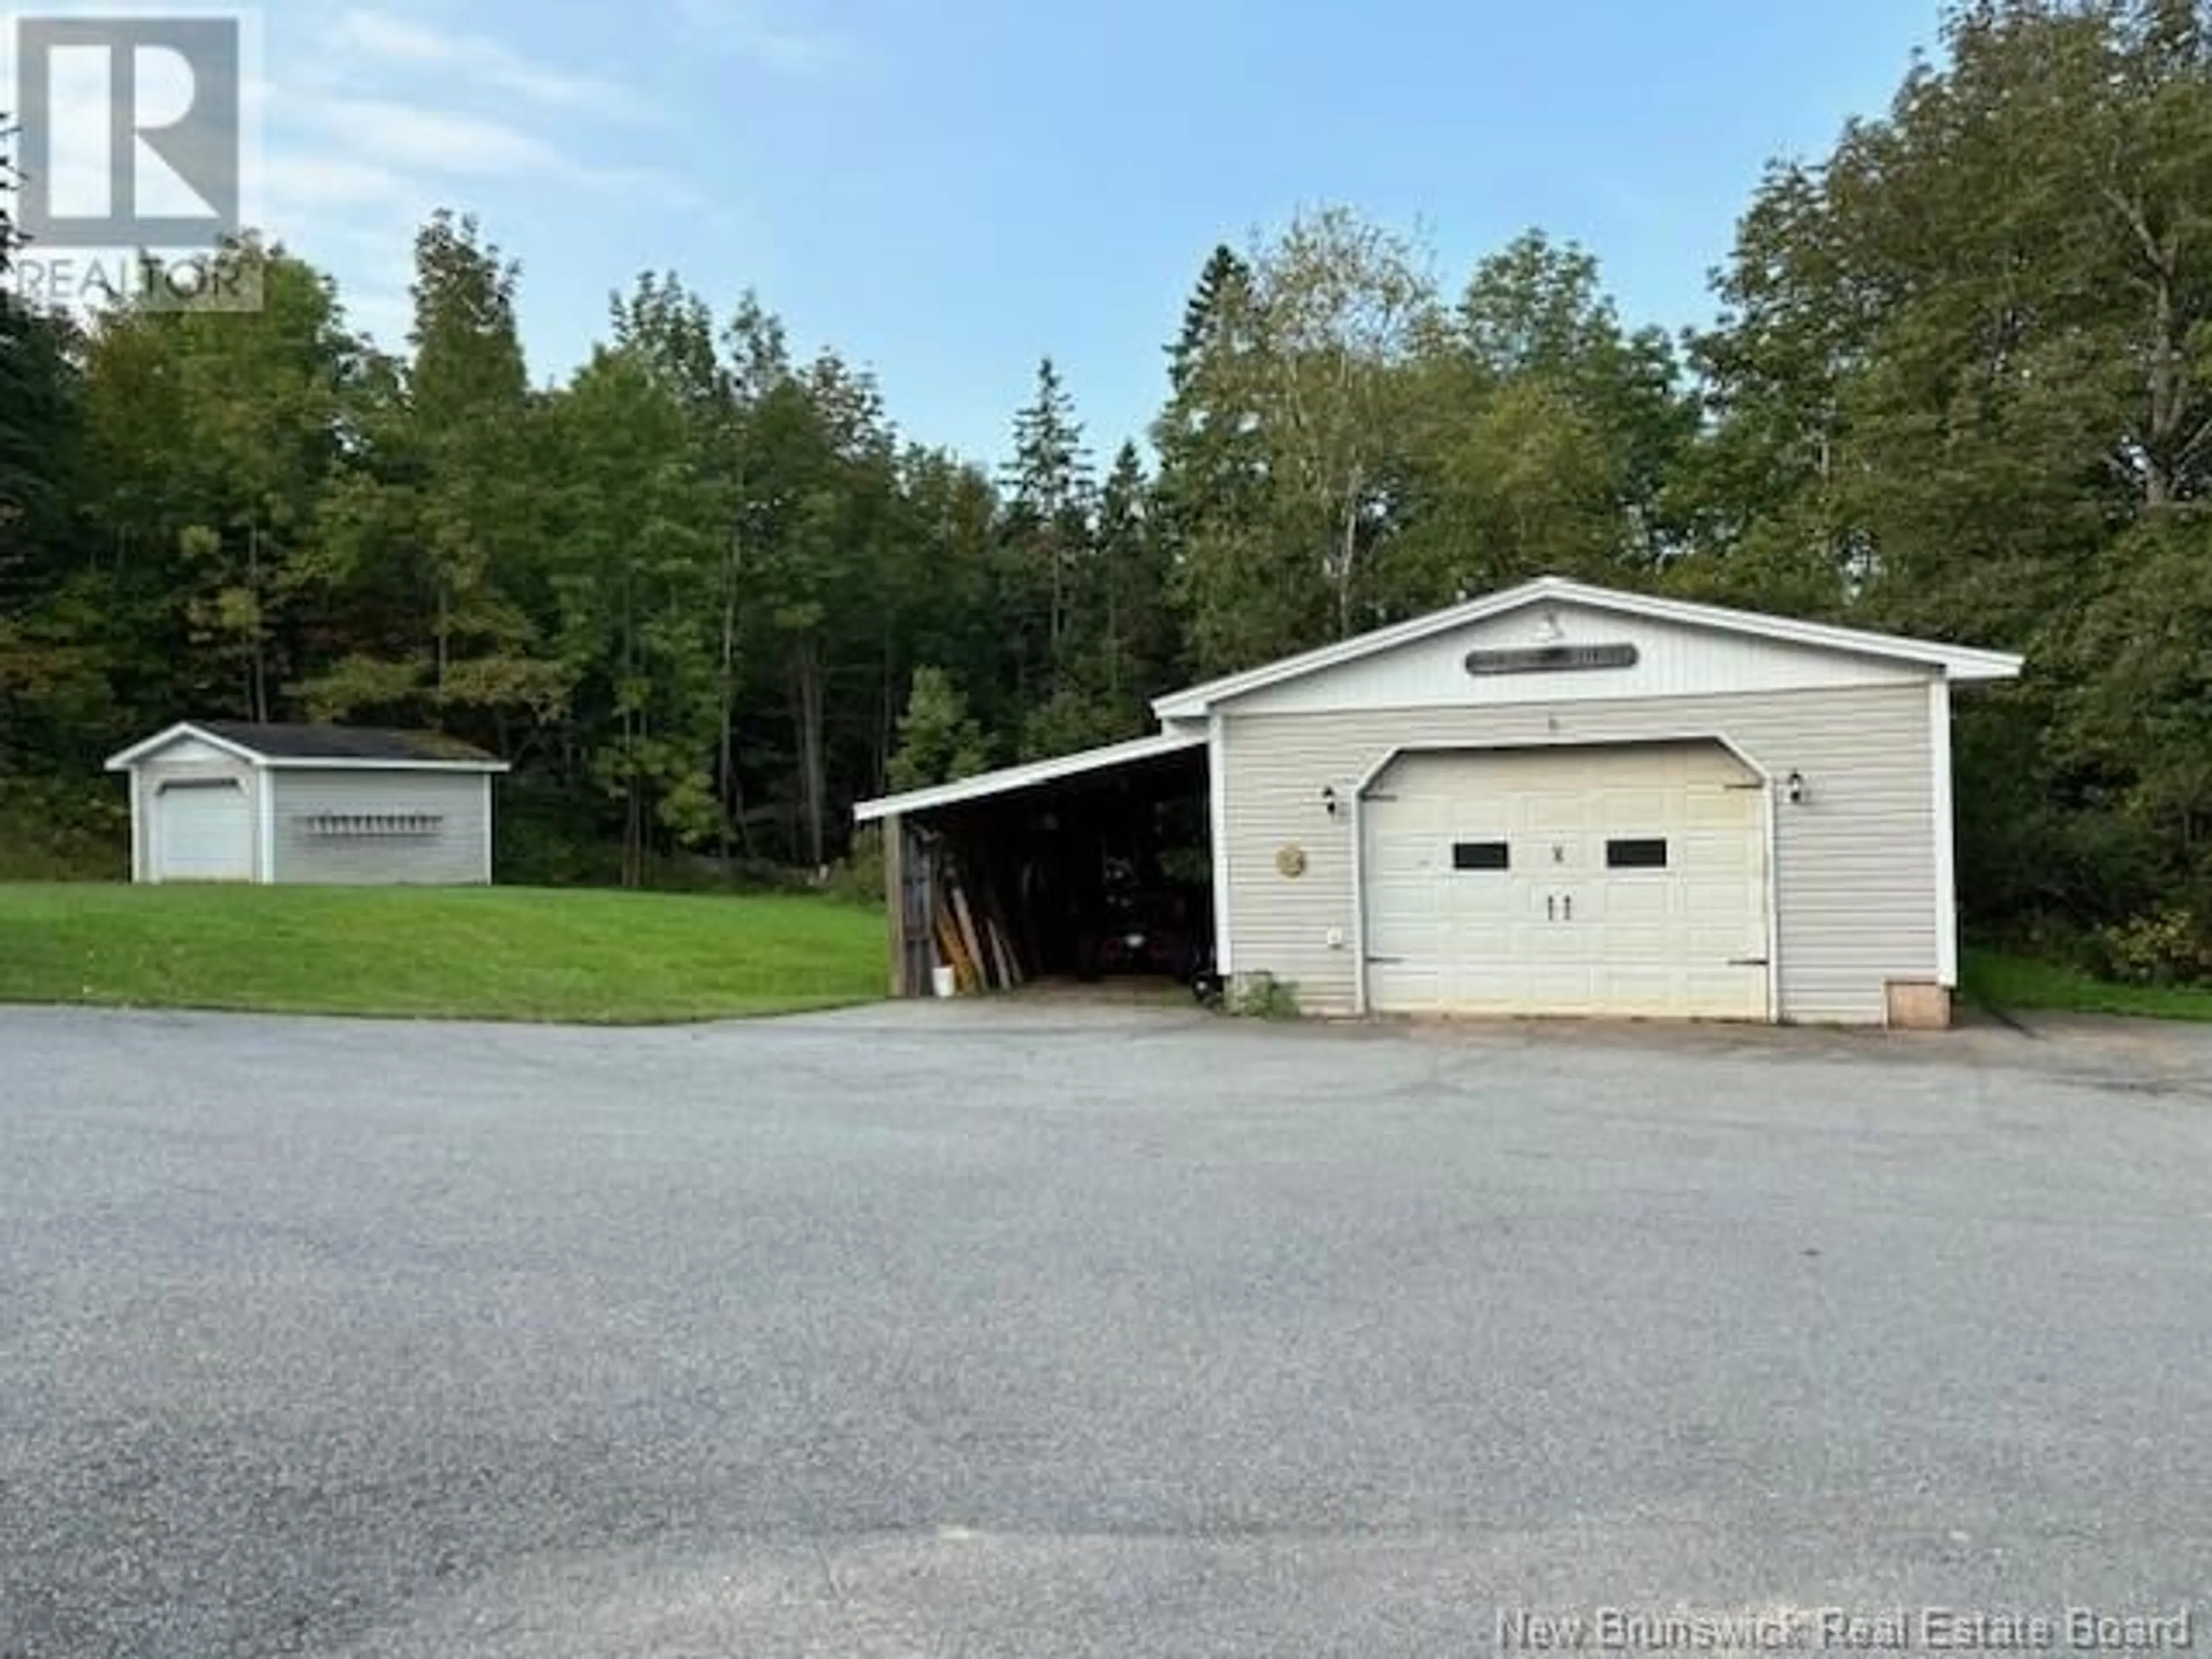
1616 880
202 832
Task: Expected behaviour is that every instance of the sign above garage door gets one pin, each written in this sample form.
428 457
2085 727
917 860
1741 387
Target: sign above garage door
1551 658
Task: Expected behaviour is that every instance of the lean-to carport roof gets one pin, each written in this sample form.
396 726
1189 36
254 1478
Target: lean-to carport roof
1006 781
1955 662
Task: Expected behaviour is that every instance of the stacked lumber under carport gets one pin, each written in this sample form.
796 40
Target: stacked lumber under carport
972 939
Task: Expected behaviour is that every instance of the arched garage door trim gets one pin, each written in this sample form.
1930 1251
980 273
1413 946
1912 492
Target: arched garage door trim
1389 758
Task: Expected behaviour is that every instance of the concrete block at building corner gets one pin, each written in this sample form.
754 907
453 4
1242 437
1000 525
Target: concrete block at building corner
1919 1007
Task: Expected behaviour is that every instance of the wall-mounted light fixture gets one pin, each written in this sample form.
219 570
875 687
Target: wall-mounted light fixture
1330 801
1793 789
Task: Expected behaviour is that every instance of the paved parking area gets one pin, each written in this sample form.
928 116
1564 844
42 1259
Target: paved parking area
1069 1330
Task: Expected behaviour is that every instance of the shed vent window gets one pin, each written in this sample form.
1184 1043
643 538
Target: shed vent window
372 826
1636 855
1481 855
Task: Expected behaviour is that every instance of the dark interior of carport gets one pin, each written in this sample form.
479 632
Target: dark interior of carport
1105 873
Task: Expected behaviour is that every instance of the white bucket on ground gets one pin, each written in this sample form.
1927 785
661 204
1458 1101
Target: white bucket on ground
944 981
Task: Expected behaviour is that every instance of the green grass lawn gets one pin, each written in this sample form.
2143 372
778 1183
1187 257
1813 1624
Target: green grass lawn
2024 984
506 954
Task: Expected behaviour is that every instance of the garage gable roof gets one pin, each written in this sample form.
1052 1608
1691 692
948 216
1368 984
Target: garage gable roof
1006 780
1955 662
323 748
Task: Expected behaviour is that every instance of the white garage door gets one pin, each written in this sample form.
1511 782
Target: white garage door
1626 881
202 832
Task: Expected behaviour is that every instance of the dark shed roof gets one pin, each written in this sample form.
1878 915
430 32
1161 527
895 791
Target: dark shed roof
312 742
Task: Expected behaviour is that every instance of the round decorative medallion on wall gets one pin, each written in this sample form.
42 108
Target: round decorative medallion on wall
1292 862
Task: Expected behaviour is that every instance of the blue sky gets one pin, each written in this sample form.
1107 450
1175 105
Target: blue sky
948 190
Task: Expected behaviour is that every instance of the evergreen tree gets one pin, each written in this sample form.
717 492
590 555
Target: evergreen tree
939 594
1212 475
1224 289
1295 401
1137 648
938 740
1125 654
1049 490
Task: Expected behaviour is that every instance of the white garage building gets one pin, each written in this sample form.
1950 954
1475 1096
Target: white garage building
1556 800
227 801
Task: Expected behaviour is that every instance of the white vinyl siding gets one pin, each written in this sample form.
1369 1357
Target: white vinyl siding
1672 660
382 828
1856 869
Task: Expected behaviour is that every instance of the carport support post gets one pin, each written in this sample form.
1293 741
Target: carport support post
894 832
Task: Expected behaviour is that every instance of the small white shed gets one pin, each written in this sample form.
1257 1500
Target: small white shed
230 801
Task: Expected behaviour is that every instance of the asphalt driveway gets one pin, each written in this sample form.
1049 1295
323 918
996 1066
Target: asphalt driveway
1061 1330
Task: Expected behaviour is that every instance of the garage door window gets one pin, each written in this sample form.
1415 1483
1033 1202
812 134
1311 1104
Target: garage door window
1481 855
1636 854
